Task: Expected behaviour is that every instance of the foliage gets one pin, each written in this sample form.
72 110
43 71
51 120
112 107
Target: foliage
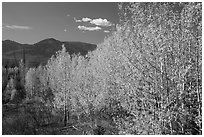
12 82
76 83
150 55
145 78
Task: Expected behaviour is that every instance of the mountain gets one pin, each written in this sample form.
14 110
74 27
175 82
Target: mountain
40 52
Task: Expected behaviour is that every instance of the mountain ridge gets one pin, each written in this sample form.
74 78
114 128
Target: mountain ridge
40 52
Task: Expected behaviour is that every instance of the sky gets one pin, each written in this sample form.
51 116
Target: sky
29 23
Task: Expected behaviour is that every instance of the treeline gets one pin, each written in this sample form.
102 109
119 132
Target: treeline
150 69
13 81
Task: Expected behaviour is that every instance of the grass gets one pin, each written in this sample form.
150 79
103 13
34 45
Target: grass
16 121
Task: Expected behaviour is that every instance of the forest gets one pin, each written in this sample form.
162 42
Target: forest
144 79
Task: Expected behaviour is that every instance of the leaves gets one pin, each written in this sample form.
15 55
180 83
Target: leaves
151 66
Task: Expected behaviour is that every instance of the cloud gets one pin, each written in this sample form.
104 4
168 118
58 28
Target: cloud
106 31
89 28
77 20
101 22
17 27
86 19
68 15
98 22
83 19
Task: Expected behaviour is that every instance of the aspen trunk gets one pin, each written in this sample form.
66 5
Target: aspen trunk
198 92
65 115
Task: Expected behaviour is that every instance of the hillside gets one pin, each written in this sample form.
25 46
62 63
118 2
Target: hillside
40 52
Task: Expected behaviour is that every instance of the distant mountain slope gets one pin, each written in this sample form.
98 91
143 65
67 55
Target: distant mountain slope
40 52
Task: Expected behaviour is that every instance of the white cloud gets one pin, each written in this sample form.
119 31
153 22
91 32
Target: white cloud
101 22
65 30
15 27
98 22
89 28
83 19
86 19
106 31
77 20
68 15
